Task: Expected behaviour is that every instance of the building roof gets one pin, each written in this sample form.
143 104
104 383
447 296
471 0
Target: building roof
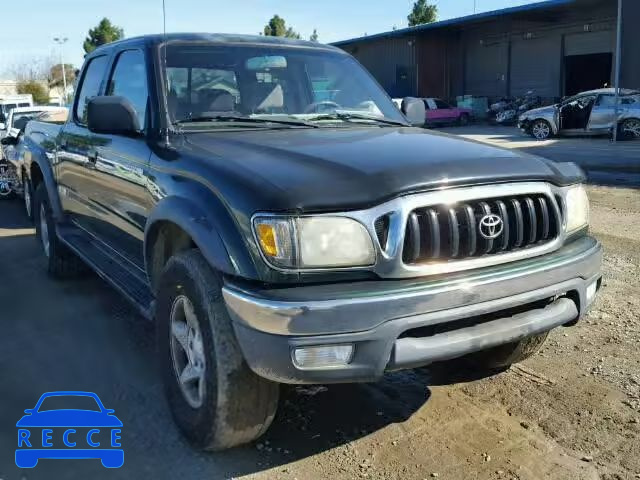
459 21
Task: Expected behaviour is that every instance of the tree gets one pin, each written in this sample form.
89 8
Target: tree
105 32
55 75
314 36
277 27
422 12
39 91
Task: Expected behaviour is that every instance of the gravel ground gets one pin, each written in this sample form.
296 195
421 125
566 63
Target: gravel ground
570 412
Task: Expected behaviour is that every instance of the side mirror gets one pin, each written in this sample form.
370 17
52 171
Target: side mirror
10 140
414 110
114 115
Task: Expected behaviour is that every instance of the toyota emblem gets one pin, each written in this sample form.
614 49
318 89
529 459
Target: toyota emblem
491 226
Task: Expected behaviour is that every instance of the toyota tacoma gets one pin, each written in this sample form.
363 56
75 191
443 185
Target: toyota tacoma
281 220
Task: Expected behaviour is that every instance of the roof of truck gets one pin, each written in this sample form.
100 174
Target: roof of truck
219 38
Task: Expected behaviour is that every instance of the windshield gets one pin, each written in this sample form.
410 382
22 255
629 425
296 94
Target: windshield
69 402
219 84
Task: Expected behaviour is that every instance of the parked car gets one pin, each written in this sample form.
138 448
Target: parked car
439 112
18 117
588 113
279 237
12 171
8 103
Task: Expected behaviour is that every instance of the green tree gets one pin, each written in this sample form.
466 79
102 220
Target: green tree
277 27
314 36
422 12
105 32
39 91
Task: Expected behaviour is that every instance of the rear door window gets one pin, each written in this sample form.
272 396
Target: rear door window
90 86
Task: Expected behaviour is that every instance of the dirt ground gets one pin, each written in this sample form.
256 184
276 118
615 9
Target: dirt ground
571 412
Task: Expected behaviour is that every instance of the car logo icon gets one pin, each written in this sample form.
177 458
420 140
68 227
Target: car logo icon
69 433
491 226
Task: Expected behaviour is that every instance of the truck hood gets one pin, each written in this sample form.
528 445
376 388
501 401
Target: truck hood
349 168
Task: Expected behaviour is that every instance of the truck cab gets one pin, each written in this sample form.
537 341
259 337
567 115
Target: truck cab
265 203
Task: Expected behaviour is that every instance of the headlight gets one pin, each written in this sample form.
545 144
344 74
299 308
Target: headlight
314 242
577 205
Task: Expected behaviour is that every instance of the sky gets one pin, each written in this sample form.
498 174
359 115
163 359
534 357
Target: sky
28 28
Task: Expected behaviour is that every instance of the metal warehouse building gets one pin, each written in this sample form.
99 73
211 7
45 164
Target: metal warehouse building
556 48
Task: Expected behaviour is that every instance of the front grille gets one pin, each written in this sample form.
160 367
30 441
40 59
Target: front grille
453 232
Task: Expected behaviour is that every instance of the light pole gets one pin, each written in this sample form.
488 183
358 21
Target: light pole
616 110
61 41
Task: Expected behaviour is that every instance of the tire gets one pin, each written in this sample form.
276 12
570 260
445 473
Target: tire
27 196
60 262
503 356
541 129
629 129
463 120
226 405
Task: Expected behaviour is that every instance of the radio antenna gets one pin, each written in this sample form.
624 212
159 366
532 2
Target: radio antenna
165 94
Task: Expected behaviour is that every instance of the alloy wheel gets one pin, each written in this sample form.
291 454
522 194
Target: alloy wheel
44 230
541 130
631 128
187 351
27 199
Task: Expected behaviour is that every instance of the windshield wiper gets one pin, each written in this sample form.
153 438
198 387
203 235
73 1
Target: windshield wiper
241 119
354 117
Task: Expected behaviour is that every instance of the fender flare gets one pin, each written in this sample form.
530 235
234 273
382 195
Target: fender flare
206 230
49 181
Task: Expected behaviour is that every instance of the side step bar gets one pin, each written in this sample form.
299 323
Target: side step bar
126 279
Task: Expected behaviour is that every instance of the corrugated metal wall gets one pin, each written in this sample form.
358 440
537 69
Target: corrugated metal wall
535 65
391 61
502 56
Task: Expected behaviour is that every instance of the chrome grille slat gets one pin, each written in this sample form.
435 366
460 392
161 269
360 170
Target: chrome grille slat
453 232
471 230
544 210
502 208
488 244
434 229
531 212
519 223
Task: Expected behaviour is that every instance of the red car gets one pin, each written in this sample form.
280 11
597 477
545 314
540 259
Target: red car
440 112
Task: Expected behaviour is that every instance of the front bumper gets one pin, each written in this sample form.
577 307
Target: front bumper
396 324
524 125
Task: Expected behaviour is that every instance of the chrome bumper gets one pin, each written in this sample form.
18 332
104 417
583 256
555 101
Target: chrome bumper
373 316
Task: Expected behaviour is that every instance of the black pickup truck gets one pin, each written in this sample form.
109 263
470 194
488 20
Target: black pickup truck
265 202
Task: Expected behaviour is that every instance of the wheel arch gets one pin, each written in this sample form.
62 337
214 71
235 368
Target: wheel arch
177 224
40 171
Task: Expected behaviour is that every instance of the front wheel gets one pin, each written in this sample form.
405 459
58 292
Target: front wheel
629 129
215 398
463 120
541 130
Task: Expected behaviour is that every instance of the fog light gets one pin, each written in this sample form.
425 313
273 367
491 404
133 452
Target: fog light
322 356
591 292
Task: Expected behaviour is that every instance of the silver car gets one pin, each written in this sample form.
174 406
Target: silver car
588 113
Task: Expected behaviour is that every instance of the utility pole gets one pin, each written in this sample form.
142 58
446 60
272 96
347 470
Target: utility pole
617 81
474 6
61 41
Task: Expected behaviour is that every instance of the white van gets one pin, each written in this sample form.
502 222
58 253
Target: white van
9 102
